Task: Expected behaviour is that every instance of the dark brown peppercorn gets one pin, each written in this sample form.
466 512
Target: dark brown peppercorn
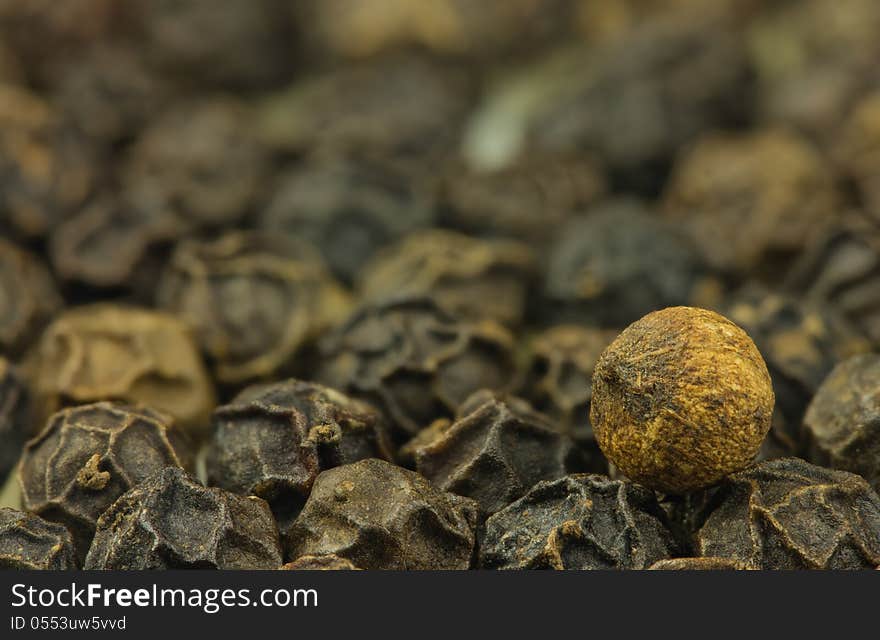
842 423
170 521
347 208
109 351
788 514
88 456
698 564
471 279
200 160
29 542
415 362
801 343
15 417
273 440
28 298
495 452
380 516
559 378
578 522
252 300
617 263
751 201
328 562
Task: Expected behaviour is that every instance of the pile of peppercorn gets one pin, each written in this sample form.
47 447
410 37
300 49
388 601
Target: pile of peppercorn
336 284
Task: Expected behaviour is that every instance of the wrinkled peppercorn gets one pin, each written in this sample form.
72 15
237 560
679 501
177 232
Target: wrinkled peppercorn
801 343
856 152
558 381
617 263
252 300
415 362
495 452
752 200
327 562
273 440
170 521
15 417
200 160
88 456
347 208
698 564
380 516
842 423
681 399
109 351
29 542
28 298
578 522
469 278
788 514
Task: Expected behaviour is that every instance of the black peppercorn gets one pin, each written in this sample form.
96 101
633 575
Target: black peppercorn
88 456
380 516
29 542
327 562
170 521
579 522
15 416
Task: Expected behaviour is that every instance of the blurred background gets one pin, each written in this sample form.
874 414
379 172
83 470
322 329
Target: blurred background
558 167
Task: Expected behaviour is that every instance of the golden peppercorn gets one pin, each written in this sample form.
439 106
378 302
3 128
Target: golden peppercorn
681 399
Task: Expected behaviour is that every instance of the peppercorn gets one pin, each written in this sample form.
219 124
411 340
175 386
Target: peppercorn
414 361
497 449
471 279
327 562
801 342
558 382
856 151
252 300
578 522
681 399
348 208
170 521
110 351
273 440
789 514
698 564
29 542
15 416
28 298
380 516
751 201
617 263
842 423
88 456
200 160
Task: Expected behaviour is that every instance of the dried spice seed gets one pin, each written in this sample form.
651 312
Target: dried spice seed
109 351
15 416
698 564
170 521
273 440
29 542
789 514
617 263
681 399
801 343
28 298
347 208
327 562
495 452
469 278
753 200
380 516
88 456
842 423
414 362
578 522
252 300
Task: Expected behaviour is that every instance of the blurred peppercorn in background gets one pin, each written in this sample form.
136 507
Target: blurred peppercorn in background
314 232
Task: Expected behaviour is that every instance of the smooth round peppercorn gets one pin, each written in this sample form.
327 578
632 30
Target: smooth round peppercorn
681 399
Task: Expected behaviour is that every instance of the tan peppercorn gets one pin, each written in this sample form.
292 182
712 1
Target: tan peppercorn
681 399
